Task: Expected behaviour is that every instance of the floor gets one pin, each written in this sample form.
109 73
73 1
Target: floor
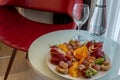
21 69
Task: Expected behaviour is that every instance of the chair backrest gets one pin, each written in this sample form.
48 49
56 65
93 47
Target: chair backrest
58 6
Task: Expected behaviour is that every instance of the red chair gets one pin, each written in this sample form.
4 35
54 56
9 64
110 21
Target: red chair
19 32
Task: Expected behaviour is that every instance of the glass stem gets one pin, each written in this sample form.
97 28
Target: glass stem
79 26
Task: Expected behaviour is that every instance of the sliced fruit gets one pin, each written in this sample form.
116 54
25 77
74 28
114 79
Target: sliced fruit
99 44
92 48
63 47
81 52
88 44
99 60
73 70
56 51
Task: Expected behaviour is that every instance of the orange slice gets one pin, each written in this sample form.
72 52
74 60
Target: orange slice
63 47
73 70
81 52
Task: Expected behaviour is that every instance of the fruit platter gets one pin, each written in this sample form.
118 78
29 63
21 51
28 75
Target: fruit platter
77 60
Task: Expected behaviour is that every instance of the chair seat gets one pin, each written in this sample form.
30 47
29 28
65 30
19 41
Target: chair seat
19 32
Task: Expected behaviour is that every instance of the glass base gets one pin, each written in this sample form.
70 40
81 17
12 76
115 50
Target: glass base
88 38
99 38
80 38
84 37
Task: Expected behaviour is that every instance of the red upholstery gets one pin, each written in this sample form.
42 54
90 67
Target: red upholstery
19 32
60 6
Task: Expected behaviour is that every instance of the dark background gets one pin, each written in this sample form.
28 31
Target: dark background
64 19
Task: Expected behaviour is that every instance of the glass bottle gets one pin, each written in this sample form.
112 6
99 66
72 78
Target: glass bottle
97 23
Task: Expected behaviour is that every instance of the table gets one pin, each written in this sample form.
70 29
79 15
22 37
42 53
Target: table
39 49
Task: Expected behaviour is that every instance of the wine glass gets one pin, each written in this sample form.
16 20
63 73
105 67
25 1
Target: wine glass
80 16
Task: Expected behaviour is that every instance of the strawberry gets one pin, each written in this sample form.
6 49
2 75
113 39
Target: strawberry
98 44
90 43
55 60
98 53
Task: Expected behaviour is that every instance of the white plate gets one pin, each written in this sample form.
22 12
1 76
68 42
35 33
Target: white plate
53 68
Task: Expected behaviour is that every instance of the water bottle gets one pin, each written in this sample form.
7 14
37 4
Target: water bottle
97 24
